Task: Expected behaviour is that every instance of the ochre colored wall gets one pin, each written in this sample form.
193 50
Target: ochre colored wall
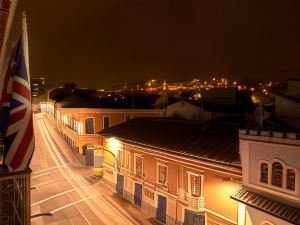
172 178
217 192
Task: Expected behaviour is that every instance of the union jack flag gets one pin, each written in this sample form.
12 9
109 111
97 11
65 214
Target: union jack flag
16 117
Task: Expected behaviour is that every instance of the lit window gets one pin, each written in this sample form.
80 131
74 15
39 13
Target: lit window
105 122
138 166
162 174
195 185
126 158
277 174
290 179
89 126
264 173
119 158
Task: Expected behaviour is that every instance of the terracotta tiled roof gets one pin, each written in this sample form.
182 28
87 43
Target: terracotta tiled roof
283 211
4 11
212 142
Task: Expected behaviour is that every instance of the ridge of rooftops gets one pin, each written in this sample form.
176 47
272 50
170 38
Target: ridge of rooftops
215 141
206 141
89 98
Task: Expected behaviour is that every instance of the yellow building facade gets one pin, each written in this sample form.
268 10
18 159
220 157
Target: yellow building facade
171 187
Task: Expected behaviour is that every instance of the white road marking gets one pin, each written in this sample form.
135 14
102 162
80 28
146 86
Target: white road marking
38 185
45 170
46 173
53 196
105 211
69 175
82 214
71 204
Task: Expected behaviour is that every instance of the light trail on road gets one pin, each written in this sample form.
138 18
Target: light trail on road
106 212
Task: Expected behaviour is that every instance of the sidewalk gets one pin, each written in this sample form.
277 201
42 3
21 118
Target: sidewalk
135 212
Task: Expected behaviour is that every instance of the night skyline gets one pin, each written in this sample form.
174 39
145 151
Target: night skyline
103 43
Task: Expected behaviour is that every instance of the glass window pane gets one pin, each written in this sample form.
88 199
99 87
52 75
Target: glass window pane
277 174
264 173
195 185
162 174
290 182
89 126
105 122
138 166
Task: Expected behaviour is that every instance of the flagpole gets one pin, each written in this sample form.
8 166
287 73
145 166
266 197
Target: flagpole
7 46
25 44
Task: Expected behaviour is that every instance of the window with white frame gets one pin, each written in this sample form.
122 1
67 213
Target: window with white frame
89 126
264 173
277 174
162 174
139 165
195 184
126 159
119 158
290 179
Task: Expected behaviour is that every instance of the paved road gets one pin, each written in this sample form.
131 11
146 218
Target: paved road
62 190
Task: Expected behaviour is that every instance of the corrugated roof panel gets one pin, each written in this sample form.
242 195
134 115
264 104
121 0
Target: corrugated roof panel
278 209
210 141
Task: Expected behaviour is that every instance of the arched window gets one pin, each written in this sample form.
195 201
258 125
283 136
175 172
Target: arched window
290 179
277 174
264 173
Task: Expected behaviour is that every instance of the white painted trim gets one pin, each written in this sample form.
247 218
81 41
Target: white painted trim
157 173
270 140
273 192
261 161
176 158
221 216
285 167
189 183
296 178
99 110
90 117
140 156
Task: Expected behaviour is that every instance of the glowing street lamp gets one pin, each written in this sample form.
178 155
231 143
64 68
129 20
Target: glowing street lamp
114 145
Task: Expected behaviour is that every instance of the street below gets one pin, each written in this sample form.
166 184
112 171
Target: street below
63 191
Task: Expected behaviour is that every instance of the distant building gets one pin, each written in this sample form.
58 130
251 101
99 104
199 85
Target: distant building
210 105
178 172
37 87
185 111
271 178
81 113
287 104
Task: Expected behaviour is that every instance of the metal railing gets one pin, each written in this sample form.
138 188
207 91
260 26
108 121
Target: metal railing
14 197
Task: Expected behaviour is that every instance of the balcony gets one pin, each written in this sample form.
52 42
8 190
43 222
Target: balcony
194 202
